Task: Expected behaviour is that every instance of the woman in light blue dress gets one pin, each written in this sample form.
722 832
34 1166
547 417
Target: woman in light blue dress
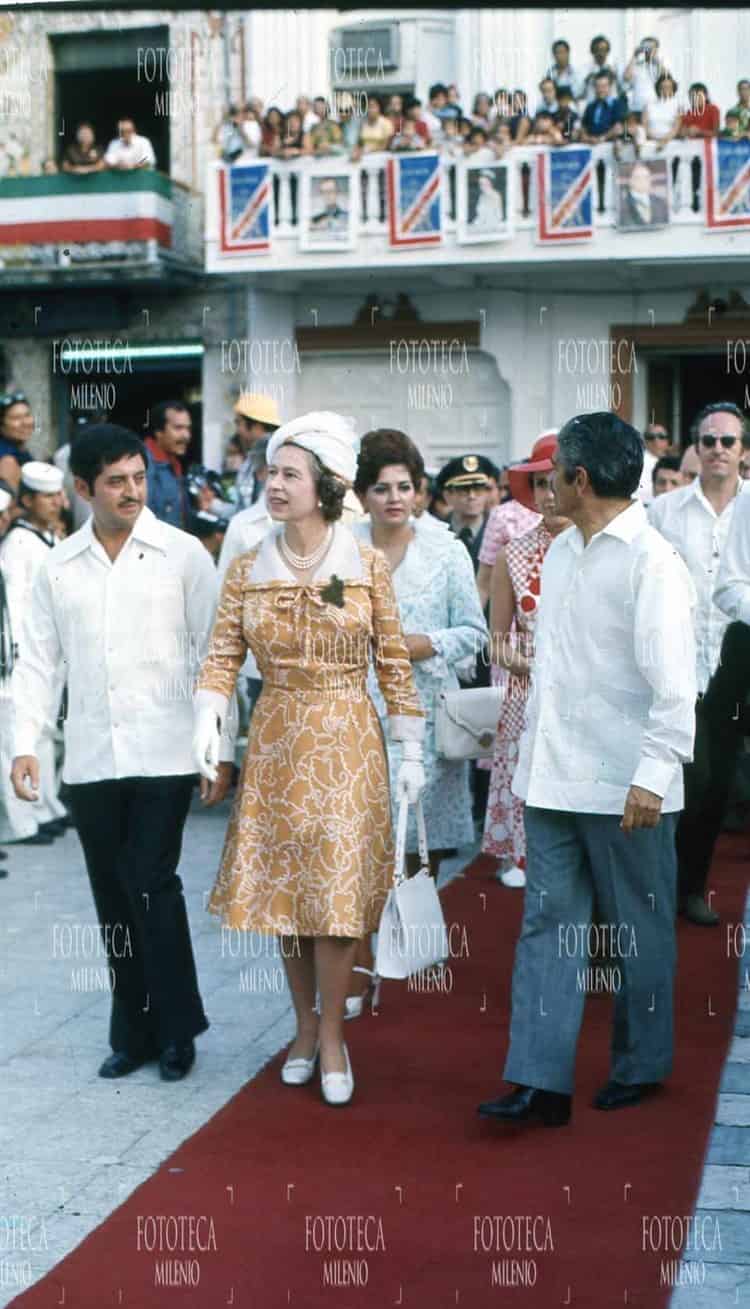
441 616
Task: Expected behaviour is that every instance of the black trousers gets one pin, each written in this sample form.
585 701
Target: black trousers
131 833
720 726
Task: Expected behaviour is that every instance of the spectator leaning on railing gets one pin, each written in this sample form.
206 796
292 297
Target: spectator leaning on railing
742 108
662 118
702 118
566 118
83 155
602 117
375 130
326 137
128 150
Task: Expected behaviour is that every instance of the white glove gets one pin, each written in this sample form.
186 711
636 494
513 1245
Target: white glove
206 740
411 779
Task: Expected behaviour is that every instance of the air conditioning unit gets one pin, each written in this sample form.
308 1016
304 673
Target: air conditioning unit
359 52
383 54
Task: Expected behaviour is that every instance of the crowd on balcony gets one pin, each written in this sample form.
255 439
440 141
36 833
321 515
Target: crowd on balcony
84 155
630 106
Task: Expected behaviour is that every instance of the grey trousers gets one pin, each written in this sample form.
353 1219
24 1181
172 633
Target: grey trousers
568 858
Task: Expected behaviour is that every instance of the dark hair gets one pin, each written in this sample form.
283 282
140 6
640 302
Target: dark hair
384 446
721 407
329 488
665 77
671 462
100 445
610 450
698 86
633 113
604 72
560 41
438 88
159 413
546 79
85 123
596 39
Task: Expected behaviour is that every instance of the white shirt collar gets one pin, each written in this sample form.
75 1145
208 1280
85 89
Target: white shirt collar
147 529
625 526
699 494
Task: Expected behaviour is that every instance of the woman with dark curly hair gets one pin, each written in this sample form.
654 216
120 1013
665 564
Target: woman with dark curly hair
441 616
309 852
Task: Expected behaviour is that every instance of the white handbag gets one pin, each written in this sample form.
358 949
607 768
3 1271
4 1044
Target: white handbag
466 722
412 934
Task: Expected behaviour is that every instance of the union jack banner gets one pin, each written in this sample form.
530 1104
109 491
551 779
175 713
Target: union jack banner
565 194
727 184
244 197
415 200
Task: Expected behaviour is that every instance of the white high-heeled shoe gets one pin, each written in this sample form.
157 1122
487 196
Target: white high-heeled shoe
355 1004
512 877
296 1072
337 1088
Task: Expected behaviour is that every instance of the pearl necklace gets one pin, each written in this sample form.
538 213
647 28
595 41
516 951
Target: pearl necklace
303 563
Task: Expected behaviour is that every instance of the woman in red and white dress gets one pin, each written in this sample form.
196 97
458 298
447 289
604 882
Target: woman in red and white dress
514 597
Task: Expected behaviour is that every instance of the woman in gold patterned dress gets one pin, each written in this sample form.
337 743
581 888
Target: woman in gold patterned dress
309 851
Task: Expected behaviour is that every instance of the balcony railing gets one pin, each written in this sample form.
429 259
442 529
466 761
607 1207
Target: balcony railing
136 222
685 168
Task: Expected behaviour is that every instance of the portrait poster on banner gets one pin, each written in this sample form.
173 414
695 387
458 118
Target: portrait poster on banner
485 202
328 208
415 200
642 195
245 208
727 167
565 201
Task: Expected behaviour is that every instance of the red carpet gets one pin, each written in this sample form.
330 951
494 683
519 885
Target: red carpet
406 1196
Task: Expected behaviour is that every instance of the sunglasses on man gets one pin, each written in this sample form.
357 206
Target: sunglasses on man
16 398
708 442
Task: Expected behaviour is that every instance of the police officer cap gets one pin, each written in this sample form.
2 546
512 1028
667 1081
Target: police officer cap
467 470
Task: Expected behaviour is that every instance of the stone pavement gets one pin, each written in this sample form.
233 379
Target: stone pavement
73 1147
715 1269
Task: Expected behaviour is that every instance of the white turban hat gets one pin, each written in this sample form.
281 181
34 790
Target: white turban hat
329 436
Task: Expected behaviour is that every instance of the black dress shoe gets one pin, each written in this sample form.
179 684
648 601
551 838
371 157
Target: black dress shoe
39 838
3 854
527 1104
694 908
616 1095
176 1060
120 1064
55 827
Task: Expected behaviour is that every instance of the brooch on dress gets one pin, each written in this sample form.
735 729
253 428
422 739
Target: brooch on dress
333 593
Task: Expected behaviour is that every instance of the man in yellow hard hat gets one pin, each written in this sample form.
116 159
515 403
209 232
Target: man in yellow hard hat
255 416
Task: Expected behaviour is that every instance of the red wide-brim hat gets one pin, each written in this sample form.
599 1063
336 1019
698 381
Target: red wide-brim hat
539 461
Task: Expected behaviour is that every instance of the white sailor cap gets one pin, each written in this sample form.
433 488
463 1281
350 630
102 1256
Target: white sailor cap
37 476
6 499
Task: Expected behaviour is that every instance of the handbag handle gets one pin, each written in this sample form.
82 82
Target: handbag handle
399 870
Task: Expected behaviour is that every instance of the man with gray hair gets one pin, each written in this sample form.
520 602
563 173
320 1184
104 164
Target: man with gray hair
610 719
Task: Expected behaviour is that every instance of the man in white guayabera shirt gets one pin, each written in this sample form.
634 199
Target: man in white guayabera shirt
124 607
610 720
696 520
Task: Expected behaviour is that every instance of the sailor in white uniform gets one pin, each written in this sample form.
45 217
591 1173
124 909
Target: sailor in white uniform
22 551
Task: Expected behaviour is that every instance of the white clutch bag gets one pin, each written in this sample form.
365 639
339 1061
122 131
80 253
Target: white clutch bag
412 935
466 722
